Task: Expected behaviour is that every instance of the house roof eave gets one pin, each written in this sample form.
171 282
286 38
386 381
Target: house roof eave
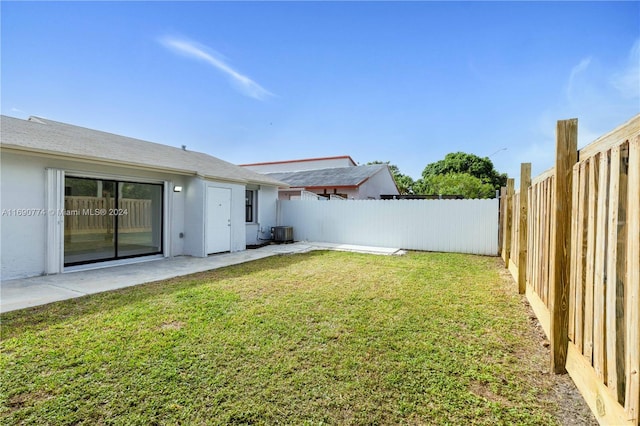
131 165
94 160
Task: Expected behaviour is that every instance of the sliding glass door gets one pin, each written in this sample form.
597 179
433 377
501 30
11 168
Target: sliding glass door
88 234
109 219
139 219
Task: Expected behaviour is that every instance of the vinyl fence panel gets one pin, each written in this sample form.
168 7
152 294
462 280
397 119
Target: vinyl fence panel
461 226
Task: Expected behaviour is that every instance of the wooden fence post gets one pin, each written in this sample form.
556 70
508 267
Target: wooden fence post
501 212
508 220
525 183
566 157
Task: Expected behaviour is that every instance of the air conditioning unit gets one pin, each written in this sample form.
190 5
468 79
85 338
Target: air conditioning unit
282 234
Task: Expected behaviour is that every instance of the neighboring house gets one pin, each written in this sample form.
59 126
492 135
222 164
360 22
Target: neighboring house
303 164
329 177
74 198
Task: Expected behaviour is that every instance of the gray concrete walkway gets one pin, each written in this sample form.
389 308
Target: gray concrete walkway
35 291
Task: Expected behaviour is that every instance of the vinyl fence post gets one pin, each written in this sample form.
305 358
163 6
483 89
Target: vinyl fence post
566 157
525 183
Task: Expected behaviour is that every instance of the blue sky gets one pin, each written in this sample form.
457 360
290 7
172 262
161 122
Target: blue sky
405 82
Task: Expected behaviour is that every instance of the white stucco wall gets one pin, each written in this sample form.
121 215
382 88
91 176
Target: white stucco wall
381 183
22 238
238 224
177 221
260 230
196 216
194 206
23 242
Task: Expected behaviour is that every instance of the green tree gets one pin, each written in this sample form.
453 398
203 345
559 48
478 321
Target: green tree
403 182
463 163
455 184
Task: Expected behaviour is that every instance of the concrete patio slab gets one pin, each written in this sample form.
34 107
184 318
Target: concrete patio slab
358 249
35 291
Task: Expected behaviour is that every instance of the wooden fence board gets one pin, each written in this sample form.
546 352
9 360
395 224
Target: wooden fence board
599 296
543 176
501 228
542 242
530 233
515 240
525 182
590 259
535 255
601 401
611 274
624 132
548 241
137 219
632 287
599 362
542 205
542 198
580 255
574 231
509 222
621 271
541 311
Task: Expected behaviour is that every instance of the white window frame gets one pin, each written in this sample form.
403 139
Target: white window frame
54 202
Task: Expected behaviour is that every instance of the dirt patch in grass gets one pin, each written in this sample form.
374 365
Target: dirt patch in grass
572 410
567 404
483 390
172 325
17 402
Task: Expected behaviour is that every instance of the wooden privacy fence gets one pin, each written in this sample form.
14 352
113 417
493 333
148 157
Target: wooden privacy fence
88 214
571 238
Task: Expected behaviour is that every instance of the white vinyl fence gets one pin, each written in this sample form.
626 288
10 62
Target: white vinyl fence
461 226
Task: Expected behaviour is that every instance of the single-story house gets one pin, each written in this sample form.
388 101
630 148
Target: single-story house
329 177
75 198
302 164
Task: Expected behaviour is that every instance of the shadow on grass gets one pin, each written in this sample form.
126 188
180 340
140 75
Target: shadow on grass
57 312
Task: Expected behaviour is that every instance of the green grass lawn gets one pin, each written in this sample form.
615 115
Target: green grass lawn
317 338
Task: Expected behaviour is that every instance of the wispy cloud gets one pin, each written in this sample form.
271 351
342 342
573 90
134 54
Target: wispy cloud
627 81
198 51
602 95
575 72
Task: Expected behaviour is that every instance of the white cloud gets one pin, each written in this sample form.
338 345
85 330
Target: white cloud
601 95
197 51
627 81
575 72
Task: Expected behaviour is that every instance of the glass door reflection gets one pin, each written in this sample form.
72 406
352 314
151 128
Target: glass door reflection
110 220
89 232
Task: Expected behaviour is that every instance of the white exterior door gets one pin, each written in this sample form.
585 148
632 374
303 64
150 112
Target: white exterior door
218 220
